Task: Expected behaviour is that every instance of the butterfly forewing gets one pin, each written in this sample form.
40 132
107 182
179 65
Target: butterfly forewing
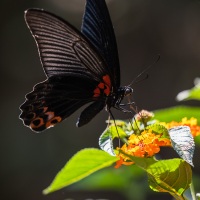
98 28
62 48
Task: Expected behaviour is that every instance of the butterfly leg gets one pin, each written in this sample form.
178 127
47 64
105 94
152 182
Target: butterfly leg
119 107
124 104
112 116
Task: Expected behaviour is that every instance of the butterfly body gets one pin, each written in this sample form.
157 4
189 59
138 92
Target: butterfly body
81 68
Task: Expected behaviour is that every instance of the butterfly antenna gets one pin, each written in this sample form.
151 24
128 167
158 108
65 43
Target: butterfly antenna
145 70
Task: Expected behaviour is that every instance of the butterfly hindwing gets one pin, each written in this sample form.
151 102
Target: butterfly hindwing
90 112
54 100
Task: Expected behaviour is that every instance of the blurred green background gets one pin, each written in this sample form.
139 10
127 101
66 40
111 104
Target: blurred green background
144 28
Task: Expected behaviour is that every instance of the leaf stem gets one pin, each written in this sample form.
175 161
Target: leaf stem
192 191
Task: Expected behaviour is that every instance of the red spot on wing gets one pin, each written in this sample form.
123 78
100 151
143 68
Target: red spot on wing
97 92
107 81
103 87
36 123
107 90
53 121
46 120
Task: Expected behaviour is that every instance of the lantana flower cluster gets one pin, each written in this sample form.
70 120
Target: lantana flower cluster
148 143
145 145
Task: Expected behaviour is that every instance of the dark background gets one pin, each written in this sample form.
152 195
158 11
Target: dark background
144 28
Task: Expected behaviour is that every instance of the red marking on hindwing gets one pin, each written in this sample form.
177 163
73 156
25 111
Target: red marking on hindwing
36 123
53 121
45 120
103 87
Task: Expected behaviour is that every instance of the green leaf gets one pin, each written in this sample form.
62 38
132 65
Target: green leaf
193 93
81 165
197 140
177 113
123 180
183 142
173 176
159 129
106 138
106 142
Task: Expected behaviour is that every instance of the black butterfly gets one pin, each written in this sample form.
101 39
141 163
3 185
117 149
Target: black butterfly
80 67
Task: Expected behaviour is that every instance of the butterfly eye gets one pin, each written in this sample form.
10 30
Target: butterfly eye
128 91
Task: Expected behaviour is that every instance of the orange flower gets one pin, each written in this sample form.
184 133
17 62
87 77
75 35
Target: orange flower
192 123
145 145
121 161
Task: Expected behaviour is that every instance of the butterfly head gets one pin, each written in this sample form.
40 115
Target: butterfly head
124 91
128 91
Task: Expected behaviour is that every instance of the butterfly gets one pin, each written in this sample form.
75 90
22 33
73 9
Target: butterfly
81 68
